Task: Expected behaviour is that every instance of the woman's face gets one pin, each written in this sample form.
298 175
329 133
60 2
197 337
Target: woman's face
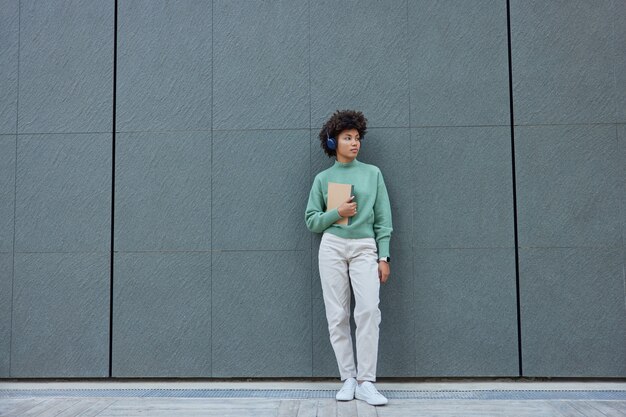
348 145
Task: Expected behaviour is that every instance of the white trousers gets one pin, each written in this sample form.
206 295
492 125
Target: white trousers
341 262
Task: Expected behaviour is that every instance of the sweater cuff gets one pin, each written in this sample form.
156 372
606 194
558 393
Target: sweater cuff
333 214
383 248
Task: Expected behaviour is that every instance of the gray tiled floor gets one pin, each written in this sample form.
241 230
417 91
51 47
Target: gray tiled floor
171 398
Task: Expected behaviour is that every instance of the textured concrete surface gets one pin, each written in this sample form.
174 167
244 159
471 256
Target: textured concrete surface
266 296
6 307
461 185
348 72
60 315
619 15
458 63
164 66
163 191
261 65
568 186
9 24
398 307
465 316
162 306
621 138
260 190
7 191
564 61
63 193
65 66
572 307
198 156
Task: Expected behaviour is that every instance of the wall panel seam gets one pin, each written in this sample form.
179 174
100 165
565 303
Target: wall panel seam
17 111
112 254
514 189
211 197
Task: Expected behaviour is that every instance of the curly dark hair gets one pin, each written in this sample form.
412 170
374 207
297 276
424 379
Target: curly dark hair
342 120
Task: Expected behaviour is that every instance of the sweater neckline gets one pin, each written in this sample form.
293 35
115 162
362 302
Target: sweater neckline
350 164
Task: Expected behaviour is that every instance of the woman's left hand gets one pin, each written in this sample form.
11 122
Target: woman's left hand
383 271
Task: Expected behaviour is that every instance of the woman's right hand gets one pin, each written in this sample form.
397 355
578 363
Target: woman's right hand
347 208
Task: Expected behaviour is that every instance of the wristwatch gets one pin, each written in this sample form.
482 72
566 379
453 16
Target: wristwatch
385 259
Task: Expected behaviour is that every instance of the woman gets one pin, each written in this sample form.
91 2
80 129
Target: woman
356 253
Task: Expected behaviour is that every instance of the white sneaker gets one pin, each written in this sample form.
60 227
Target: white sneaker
346 393
368 392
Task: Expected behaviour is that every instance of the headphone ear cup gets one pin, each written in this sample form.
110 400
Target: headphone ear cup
331 144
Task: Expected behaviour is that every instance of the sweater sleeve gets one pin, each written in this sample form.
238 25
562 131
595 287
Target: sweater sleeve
318 220
382 218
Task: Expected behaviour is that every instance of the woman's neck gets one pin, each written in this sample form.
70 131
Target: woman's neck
351 163
344 160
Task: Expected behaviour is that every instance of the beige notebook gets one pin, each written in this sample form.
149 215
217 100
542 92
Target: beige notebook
337 194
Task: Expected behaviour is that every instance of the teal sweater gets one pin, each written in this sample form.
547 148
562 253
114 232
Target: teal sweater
373 217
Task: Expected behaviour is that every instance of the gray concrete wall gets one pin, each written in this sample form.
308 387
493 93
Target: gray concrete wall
191 151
